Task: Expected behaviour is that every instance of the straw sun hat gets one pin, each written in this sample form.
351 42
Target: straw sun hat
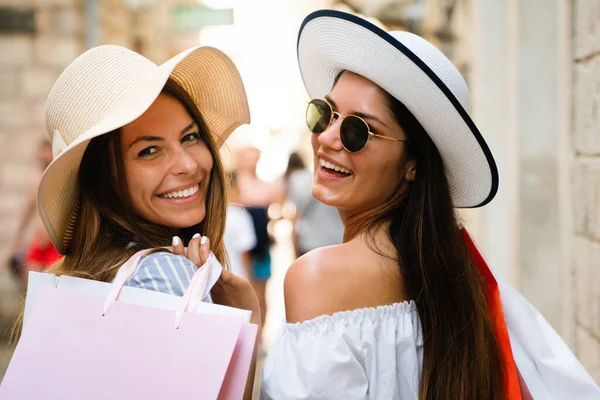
108 87
414 72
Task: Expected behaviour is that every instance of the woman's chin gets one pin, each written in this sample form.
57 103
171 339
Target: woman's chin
183 221
325 196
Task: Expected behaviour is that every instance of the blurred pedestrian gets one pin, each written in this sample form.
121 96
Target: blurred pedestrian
38 252
257 195
316 224
239 237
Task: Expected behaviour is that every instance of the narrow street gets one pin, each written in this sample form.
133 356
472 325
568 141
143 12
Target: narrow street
283 256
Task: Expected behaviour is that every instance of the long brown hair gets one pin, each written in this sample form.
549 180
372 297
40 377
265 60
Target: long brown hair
462 358
108 231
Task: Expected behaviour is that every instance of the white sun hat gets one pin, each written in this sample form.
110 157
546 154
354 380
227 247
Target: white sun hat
417 74
110 86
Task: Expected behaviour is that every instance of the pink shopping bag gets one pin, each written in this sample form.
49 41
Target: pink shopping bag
76 346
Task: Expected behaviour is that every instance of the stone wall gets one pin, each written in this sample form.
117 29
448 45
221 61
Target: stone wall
29 65
585 174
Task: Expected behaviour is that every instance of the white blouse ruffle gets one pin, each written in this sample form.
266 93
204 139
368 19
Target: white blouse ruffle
369 353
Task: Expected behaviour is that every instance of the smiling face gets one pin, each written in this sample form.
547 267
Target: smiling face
359 182
167 165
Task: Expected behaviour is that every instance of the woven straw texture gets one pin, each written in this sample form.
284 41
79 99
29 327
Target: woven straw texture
108 87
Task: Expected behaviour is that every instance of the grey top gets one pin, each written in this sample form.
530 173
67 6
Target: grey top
319 224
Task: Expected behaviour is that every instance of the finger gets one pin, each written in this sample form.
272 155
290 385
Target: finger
177 246
204 249
193 253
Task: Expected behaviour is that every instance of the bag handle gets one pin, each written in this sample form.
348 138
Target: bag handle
196 291
192 297
125 272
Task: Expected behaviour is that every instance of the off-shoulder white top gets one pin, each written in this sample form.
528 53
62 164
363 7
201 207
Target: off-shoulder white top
370 353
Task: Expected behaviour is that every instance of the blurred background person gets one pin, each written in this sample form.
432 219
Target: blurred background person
315 224
37 253
257 195
239 232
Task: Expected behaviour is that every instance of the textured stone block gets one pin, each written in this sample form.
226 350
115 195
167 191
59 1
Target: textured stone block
586 271
17 3
54 51
13 203
38 114
585 177
9 83
13 114
586 28
19 145
15 51
588 351
586 108
36 82
54 3
66 21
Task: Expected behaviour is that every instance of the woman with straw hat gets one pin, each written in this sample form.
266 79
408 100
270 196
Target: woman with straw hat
136 166
405 308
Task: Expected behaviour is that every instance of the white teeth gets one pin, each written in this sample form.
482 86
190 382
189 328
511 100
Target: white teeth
334 167
181 193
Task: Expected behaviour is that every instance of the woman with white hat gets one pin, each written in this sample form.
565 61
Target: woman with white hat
403 308
136 166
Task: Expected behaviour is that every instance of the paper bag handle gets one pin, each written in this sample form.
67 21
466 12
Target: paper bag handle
192 297
196 291
125 272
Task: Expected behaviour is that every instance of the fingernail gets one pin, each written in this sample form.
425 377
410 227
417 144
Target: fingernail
203 240
196 236
176 241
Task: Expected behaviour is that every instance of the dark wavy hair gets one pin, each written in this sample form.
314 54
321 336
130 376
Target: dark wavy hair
462 357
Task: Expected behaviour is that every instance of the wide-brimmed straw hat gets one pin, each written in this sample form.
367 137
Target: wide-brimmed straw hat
417 74
110 86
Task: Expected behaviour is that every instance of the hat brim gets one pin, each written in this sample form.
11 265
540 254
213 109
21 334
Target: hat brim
331 41
205 73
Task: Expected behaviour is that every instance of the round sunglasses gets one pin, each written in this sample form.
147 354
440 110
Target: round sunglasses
354 131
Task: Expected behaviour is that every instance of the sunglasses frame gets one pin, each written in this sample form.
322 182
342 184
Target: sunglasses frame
336 115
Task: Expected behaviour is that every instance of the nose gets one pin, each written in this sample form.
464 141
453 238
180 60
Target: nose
330 137
182 162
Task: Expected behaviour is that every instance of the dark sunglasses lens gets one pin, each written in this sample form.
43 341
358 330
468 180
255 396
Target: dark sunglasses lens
318 115
354 133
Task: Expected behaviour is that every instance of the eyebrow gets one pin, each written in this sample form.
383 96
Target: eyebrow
159 138
357 113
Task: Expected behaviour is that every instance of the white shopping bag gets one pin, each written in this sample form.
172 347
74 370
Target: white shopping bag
548 367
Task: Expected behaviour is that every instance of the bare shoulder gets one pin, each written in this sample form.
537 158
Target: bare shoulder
336 278
308 284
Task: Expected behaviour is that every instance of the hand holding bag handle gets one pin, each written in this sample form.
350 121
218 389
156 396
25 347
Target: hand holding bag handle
197 289
193 295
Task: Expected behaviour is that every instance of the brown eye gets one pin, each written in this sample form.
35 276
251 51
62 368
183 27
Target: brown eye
192 137
148 151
